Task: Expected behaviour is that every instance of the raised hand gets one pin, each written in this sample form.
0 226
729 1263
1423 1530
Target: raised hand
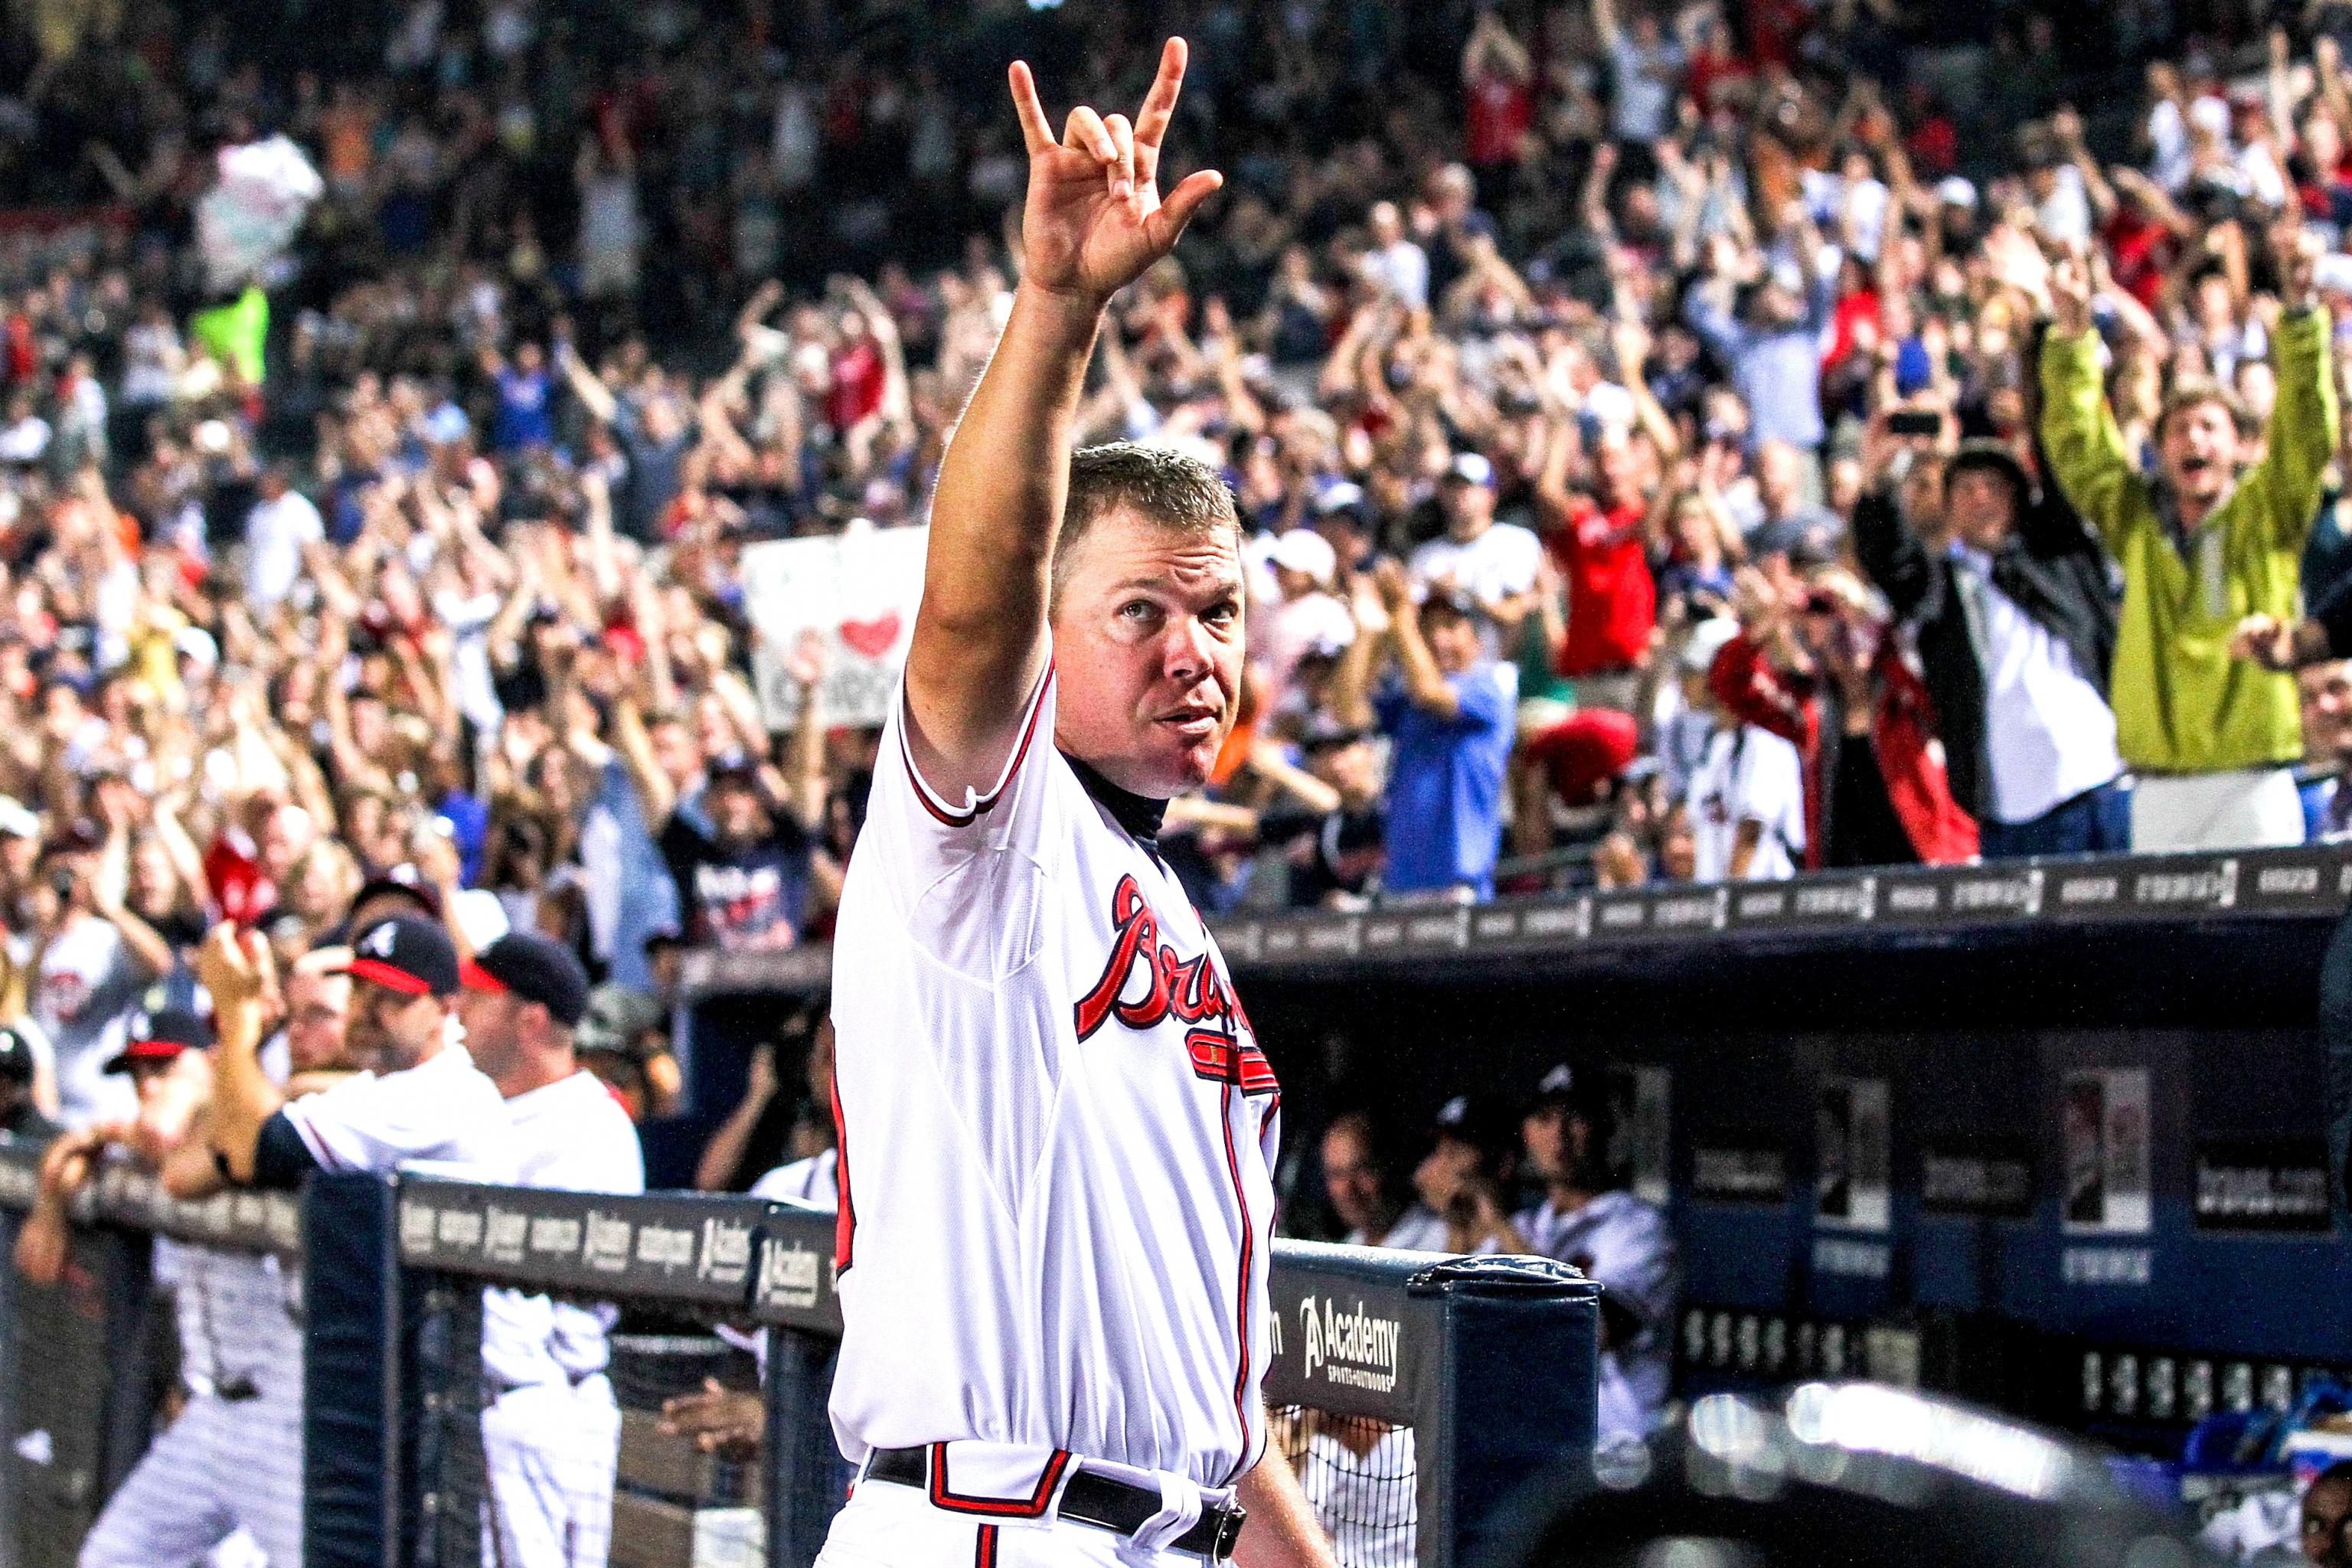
1095 218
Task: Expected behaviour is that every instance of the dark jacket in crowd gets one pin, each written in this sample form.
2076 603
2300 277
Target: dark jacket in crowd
2051 568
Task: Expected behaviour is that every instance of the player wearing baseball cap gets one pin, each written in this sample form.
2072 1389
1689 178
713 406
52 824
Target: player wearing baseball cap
551 1432
1055 1124
233 1458
418 1098
1589 1219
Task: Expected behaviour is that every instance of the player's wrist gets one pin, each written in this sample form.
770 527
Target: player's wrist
1075 312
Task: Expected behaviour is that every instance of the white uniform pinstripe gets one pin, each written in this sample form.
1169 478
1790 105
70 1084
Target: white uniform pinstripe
225 1462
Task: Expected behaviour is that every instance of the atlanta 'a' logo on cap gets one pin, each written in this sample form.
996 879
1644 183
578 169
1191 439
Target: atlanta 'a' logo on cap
377 943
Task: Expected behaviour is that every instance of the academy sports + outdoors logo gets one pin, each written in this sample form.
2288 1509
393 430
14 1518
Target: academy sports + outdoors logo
1354 1348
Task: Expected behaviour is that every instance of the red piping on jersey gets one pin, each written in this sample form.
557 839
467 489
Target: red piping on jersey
1012 769
1249 1247
1213 1058
983 1554
845 1219
1034 1506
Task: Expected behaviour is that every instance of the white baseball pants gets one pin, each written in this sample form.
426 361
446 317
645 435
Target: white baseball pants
549 1453
221 1465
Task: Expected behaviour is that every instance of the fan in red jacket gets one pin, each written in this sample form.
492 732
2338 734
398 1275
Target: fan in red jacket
1833 681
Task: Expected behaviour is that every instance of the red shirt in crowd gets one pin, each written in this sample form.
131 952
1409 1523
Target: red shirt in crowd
856 385
1501 113
2139 254
1612 600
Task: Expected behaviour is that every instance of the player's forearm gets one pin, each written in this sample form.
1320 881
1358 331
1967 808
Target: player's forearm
243 1096
1281 1531
980 636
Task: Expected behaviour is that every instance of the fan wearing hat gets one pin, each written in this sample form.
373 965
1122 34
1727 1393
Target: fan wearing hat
419 1097
1330 822
1587 1218
1450 711
1465 1178
1306 614
2016 635
1490 567
551 1432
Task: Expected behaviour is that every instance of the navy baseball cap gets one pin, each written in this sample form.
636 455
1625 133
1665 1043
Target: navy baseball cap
403 953
157 1038
1583 1091
534 968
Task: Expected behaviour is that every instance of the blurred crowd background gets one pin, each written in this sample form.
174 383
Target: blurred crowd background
1678 442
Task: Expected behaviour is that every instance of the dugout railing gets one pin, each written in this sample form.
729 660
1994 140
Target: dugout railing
1416 1395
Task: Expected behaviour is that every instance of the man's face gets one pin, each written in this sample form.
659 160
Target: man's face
490 1036
2325 693
1444 1172
2200 449
1982 507
1452 638
148 1078
1468 508
1351 769
1350 1180
1148 641
2325 1507
317 1011
735 811
390 1030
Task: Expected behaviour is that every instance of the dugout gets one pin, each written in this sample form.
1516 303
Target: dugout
2049 1135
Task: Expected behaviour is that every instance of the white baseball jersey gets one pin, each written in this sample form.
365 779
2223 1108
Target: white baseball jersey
551 1436
1056 1129
443 1112
1626 1245
813 1181
568 1136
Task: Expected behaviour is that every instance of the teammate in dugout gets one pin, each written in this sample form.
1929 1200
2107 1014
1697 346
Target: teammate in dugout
1587 1218
1055 1124
552 1433
231 1460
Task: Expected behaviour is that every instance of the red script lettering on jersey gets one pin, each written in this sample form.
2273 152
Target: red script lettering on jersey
1190 988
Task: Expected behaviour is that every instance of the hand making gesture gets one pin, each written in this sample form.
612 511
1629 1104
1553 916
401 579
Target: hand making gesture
1095 218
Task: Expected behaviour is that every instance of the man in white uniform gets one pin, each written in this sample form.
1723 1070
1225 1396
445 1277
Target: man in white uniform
552 1433
230 1464
418 1097
1587 1218
1055 1124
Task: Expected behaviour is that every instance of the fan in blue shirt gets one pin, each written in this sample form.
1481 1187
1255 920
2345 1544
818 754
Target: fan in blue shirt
1449 712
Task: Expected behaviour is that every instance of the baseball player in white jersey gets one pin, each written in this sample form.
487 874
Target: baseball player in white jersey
418 1098
552 1431
1055 1124
1587 1218
232 1458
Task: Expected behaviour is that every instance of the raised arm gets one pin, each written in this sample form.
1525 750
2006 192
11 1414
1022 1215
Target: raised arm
1093 222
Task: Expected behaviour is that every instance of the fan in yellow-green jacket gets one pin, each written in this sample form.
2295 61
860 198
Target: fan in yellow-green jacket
2212 739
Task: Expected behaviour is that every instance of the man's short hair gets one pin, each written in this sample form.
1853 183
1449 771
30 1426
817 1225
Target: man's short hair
1179 493
2191 391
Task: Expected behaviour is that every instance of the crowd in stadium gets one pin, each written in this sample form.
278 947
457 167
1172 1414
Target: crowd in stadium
1665 456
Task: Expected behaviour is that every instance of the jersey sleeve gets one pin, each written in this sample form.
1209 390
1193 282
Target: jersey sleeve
369 1123
966 874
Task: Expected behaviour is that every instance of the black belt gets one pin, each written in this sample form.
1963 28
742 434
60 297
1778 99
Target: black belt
1088 1498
